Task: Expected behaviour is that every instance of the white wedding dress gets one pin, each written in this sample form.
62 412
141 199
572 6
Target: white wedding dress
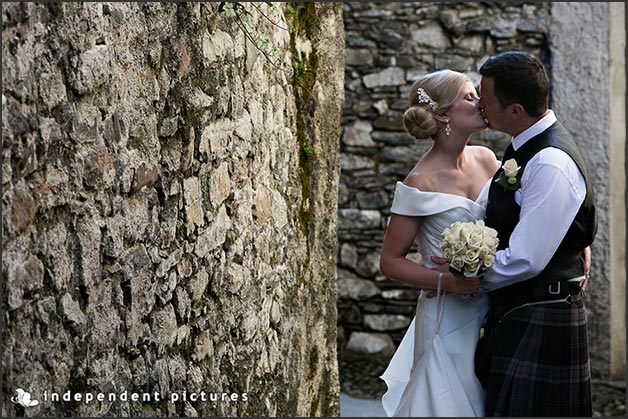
432 372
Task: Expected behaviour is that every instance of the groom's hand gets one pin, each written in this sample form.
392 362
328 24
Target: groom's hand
439 261
587 267
456 285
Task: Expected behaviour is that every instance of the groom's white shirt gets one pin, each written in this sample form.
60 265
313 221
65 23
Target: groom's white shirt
552 191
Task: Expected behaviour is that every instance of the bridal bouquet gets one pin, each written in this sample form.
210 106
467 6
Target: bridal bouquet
469 248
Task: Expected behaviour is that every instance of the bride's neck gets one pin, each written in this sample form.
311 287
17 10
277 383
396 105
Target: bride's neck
450 151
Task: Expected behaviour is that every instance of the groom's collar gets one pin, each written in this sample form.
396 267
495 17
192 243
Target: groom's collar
540 126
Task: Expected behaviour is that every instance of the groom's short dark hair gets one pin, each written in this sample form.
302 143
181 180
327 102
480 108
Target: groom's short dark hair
518 77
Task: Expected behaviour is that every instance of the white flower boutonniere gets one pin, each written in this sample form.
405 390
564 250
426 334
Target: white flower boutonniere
510 177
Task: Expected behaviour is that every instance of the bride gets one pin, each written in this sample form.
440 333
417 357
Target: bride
432 371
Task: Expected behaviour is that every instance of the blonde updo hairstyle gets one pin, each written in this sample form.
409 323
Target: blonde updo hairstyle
443 87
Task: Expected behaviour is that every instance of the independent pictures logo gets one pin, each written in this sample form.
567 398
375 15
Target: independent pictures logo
24 398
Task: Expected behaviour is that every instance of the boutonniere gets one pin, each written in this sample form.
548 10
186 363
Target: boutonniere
510 177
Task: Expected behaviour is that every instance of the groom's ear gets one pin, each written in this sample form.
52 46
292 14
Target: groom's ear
516 111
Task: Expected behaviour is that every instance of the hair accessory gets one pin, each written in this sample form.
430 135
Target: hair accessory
425 98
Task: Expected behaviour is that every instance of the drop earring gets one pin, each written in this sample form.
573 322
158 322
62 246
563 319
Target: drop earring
447 128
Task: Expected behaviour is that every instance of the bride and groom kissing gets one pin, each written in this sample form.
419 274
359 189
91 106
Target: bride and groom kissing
530 300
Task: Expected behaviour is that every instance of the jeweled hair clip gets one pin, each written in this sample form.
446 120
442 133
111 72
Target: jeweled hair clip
425 98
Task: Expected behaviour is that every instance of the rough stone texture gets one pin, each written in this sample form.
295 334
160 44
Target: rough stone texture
153 201
392 41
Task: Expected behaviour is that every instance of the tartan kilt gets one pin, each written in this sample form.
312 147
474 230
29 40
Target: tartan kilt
540 362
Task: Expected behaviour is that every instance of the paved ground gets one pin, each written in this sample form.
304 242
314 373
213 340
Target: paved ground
361 390
354 407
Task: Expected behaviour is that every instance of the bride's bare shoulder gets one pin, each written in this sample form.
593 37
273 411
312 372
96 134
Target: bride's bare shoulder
482 152
421 179
485 156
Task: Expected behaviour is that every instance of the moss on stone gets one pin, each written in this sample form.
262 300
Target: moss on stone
304 74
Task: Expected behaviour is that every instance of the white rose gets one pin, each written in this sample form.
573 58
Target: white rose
490 242
471 256
485 252
490 232
471 270
480 224
457 262
455 229
488 261
465 231
475 240
510 168
451 238
448 253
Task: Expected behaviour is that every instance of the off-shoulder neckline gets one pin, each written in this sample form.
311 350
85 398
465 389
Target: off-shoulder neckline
475 201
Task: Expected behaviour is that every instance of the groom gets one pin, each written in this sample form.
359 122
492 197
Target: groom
545 217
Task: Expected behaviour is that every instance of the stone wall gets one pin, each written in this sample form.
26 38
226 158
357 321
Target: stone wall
169 209
388 47
582 93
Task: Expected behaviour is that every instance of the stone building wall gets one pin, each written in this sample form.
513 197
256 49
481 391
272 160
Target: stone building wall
583 57
169 209
388 47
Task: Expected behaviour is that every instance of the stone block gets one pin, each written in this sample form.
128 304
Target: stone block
216 138
358 134
145 175
92 69
386 322
472 43
377 344
164 328
348 255
533 19
504 27
25 275
354 162
359 57
432 37
393 76
404 294
454 62
214 235
23 207
52 89
193 204
71 310
368 265
351 218
99 168
355 288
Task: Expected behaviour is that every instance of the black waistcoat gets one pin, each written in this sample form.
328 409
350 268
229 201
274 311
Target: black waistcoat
502 212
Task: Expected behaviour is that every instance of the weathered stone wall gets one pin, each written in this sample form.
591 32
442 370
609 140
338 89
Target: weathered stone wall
582 92
388 47
169 208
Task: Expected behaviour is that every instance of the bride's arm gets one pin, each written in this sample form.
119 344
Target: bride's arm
398 240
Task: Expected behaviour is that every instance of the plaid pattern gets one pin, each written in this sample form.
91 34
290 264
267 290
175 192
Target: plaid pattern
540 363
